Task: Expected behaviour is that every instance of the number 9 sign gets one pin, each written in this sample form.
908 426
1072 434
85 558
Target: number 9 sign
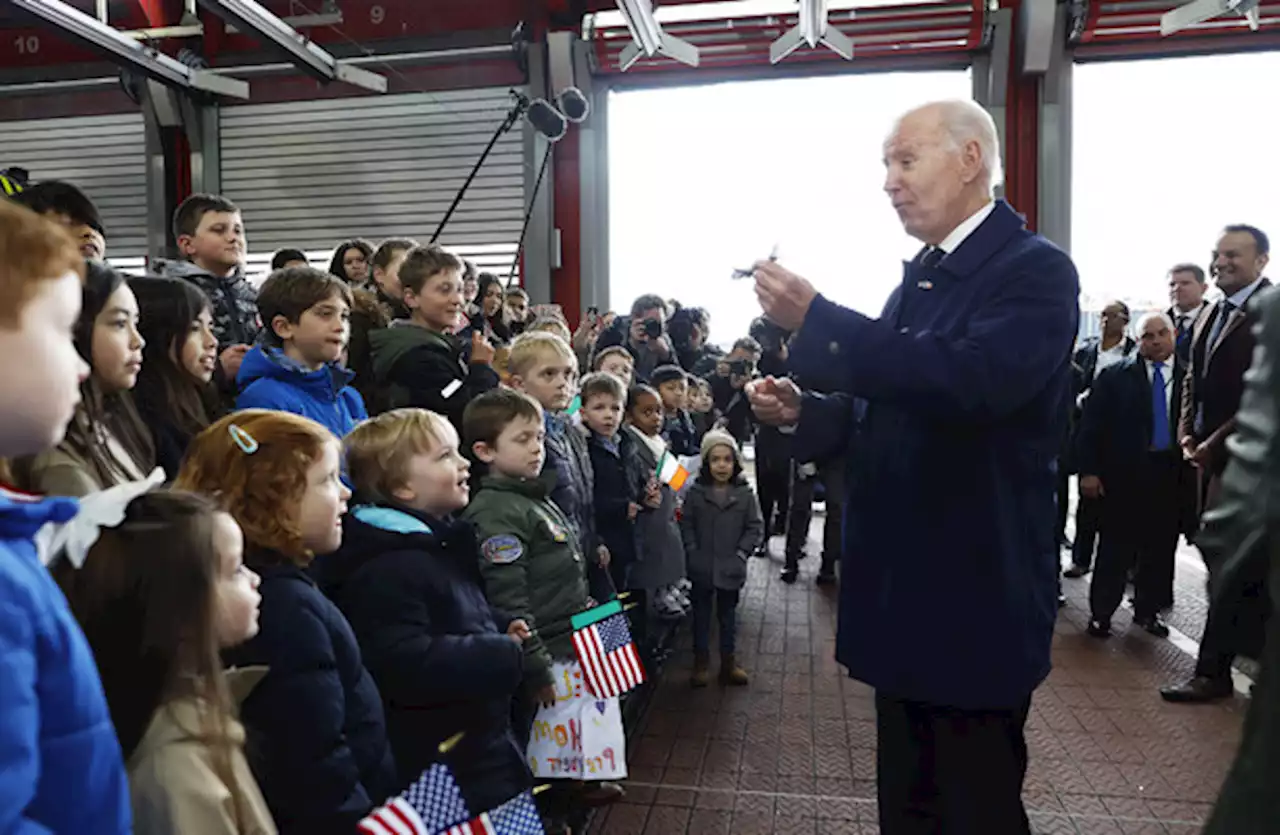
377 14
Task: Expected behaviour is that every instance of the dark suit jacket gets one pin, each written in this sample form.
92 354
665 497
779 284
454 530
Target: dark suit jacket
965 379
1183 349
1215 379
1115 436
1239 543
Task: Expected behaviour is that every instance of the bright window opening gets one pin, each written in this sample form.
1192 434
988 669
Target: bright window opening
706 179
1166 153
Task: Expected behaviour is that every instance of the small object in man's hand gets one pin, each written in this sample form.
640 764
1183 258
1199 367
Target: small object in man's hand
748 273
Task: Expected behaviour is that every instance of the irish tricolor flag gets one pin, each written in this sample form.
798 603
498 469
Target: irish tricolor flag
671 473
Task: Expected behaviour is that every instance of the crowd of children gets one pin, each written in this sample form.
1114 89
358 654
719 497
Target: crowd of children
385 503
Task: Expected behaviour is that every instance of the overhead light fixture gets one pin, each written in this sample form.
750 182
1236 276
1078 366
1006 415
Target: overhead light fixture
1198 11
95 34
812 29
254 20
648 39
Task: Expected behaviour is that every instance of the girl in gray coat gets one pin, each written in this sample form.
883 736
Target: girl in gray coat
721 526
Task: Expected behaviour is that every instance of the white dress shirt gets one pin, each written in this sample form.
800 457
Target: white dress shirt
966 228
1185 317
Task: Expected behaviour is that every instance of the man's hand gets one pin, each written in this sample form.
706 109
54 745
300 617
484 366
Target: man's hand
1091 487
661 347
602 555
518 631
784 296
231 358
547 696
776 402
481 351
633 510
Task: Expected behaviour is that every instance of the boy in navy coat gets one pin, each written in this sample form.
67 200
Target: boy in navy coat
407 578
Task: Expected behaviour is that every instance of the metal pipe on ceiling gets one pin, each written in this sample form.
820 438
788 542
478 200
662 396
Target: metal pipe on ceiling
78 84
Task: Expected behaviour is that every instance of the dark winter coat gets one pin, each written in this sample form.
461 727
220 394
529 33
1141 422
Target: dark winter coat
951 474
410 587
617 484
573 488
425 369
720 529
317 740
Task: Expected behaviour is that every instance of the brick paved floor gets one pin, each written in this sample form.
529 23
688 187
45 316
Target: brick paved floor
795 752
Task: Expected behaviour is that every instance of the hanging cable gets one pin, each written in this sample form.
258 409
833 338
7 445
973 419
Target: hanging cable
524 227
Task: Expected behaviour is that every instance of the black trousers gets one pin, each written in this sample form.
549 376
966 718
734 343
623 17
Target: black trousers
946 771
1139 532
1063 499
773 483
832 477
1237 620
1087 517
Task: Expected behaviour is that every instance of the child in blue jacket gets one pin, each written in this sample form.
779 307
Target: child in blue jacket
62 766
306 316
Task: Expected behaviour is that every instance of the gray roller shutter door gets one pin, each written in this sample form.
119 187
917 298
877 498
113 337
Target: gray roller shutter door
308 175
104 156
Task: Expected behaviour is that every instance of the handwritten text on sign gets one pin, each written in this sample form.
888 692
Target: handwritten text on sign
579 737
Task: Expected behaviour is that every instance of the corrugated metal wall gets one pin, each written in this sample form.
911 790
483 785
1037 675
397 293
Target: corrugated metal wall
105 156
311 174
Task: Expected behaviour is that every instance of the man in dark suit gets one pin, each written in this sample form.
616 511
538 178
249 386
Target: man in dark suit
1241 533
1094 356
1221 351
1186 294
950 407
1130 464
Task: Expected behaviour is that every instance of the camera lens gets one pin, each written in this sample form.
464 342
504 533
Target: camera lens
652 328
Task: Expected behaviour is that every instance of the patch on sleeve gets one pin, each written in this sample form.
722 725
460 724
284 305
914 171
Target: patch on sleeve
502 550
448 390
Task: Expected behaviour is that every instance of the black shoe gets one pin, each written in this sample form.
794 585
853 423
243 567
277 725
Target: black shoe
1075 572
1154 625
1198 690
825 578
1099 629
1062 600
789 575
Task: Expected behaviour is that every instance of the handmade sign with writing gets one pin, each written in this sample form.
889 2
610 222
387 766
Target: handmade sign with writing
580 737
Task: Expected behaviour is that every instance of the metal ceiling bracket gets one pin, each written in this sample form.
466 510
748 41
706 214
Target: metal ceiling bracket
254 19
93 33
812 29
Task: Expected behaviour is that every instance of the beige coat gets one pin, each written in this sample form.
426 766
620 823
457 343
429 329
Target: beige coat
175 788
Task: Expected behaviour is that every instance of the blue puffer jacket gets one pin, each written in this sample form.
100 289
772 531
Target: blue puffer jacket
62 766
317 739
270 380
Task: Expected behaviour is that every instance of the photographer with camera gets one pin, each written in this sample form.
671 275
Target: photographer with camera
732 373
773 446
642 334
689 328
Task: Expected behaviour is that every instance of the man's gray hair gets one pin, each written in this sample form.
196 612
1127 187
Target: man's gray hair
966 121
1155 314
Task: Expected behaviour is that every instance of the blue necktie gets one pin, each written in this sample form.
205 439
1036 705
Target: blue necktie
1160 435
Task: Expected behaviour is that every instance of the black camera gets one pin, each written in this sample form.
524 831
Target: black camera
652 328
742 368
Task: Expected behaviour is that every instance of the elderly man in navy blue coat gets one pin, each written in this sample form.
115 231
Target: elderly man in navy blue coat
950 407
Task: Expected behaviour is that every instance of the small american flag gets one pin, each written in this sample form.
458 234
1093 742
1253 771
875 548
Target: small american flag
610 664
434 806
